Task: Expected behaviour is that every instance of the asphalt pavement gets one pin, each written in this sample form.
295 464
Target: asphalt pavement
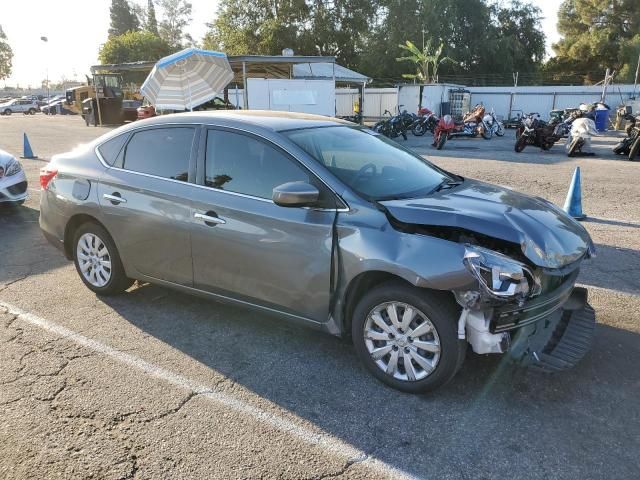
157 384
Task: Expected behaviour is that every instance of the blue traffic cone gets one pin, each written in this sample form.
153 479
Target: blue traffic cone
27 152
573 203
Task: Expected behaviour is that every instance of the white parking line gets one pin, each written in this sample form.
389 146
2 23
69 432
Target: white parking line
325 441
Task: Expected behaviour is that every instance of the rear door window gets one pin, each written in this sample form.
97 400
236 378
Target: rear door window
163 152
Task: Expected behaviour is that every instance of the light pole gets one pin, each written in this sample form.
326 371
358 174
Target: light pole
46 40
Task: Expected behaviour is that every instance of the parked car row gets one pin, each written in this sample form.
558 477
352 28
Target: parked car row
26 106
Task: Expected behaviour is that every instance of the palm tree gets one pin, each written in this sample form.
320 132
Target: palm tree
427 61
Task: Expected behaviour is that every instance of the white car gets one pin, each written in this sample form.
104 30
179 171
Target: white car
13 181
20 105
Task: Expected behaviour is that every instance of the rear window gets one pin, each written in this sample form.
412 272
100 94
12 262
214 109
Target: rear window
110 149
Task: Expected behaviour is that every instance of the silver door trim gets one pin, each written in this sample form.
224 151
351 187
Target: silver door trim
114 198
181 124
209 219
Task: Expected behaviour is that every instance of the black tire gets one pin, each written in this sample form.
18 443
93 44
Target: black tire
118 282
443 312
487 133
32 111
521 142
441 141
500 130
419 129
7 111
635 149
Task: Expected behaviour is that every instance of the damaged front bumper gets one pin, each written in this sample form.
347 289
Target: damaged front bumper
552 334
560 340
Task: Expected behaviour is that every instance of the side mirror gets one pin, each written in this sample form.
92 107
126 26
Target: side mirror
295 194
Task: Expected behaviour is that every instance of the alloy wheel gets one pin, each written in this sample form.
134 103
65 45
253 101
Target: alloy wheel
94 260
402 341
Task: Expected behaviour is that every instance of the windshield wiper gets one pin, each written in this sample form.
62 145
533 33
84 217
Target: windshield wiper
447 184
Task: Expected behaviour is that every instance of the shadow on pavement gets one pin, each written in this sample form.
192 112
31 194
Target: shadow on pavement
501 149
615 268
617 223
492 421
23 249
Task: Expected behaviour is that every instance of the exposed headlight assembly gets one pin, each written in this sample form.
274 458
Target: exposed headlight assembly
12 168
500 277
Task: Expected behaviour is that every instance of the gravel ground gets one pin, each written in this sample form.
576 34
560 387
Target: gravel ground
156 384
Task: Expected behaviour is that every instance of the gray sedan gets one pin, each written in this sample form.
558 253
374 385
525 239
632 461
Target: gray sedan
323 222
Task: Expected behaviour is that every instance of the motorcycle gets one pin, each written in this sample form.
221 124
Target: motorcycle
393 126
580 137
473 124
445 127
630 146
492 123
535 131
426 121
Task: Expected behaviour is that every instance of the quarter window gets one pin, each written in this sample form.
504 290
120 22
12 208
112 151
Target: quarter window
243 164
163 152
110 149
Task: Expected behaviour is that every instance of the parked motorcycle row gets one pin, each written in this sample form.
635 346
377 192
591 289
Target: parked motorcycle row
577 125
630 146
474 123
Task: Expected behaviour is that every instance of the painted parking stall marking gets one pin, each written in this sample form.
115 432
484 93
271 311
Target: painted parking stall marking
280 422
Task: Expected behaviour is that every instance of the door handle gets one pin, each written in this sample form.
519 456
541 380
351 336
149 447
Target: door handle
115 198
209 219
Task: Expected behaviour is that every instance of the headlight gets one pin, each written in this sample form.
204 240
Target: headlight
12 168
500 277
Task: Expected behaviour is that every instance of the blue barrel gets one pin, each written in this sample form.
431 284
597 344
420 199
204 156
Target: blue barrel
602 120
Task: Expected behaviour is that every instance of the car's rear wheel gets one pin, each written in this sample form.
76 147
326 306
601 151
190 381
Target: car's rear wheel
32 111
407 337
98 262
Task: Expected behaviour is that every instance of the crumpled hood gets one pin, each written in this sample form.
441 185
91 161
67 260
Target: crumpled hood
547 235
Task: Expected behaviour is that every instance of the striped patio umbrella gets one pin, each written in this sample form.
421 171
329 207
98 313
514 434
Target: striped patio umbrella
187 79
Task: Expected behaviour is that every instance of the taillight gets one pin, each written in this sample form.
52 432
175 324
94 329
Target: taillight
46 175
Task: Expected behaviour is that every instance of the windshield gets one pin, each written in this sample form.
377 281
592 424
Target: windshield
374 166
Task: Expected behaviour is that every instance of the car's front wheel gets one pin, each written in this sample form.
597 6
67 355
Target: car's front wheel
407 336
98 262
7 111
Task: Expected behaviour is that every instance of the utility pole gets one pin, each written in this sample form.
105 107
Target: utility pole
513 94
608 76
46 40
635 82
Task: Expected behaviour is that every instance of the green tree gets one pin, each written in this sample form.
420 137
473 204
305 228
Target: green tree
597 34
427 61
263 27
151 23
123 18
310 27
134 47
486 39
6 56
176 16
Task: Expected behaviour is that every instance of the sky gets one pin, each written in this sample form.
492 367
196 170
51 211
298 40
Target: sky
77 28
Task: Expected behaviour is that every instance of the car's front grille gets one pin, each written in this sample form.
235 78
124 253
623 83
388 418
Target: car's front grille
555 291
18 188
